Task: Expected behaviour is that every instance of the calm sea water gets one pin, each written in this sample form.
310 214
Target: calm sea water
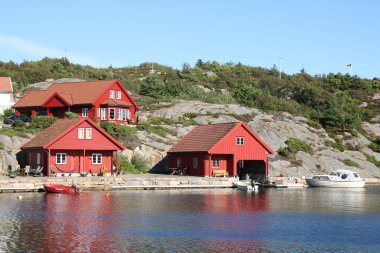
218 220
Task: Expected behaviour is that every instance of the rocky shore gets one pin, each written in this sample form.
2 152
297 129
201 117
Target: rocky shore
124 182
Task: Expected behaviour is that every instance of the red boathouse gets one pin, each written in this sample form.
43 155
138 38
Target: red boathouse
72 146
232 148
105 100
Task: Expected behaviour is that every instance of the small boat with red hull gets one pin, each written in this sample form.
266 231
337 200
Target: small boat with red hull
60 188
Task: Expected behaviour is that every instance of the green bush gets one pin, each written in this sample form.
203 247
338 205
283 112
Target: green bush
337 145
41 122
159 130
8 112
1 145
375 146
351 163
125 134
373 160
140 163
18 123
190 115
127 166
294 145
71 115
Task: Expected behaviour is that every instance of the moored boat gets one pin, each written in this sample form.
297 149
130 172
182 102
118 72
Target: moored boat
247 185
60 188
337 179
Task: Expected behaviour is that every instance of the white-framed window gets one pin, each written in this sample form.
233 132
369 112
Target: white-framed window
195 163
81 133
112 113
84 112
96 158
112 94
216 162
118 94
126 114
240 141
103 114
89 133
61 158
179 162
98 113
119 114
38 158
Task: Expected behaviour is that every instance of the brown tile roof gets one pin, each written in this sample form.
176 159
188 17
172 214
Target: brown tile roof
202 138
77 92
5 85
51 133
116 102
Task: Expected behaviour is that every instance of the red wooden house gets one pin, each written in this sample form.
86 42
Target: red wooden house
232 147
72 146
106 100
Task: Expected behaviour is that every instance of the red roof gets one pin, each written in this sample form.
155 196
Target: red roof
203 137
5 85
74 93
60 128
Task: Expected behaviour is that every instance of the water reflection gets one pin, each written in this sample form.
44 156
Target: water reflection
225 220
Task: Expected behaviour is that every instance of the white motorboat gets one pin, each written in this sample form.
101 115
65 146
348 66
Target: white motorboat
337 179
247 185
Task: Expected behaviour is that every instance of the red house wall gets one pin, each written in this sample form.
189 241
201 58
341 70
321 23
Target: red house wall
251 150
55 102
124 97
77 161
71 142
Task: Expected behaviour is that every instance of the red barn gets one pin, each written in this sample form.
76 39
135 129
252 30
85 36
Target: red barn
72 146
106 100
231 147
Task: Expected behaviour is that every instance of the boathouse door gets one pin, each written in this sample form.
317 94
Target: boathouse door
254 169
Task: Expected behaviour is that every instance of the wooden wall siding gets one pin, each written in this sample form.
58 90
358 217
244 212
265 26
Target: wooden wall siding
55 102
71 141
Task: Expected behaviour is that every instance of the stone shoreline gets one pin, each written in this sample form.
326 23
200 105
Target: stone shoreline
125 182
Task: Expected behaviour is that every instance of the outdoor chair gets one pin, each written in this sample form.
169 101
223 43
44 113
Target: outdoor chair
37 171
25 171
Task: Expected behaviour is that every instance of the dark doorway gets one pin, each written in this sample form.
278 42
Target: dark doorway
251 169
58 112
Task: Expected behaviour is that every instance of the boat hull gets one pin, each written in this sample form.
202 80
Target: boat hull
59 188
246 186
334 184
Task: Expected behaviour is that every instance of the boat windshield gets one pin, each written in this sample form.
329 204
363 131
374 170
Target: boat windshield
344 176
333 173
356 175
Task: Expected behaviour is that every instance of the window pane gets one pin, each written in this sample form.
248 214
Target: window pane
80 133
88 133
112 113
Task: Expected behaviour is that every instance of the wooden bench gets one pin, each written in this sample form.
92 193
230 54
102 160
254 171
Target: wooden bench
216 173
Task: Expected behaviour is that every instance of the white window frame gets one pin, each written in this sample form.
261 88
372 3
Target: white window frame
85 112
240 141
112 94
195 163
118 94
119 114
61 158
109 113
89 133
179 162
98 112
38 158
103 114
216 162
98 158
81 133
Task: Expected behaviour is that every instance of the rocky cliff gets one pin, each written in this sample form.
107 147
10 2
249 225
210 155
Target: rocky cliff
274 129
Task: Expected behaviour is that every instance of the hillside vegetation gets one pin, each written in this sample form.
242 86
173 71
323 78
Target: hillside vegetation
331 101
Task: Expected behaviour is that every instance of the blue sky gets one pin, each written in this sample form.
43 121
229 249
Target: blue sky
321 36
